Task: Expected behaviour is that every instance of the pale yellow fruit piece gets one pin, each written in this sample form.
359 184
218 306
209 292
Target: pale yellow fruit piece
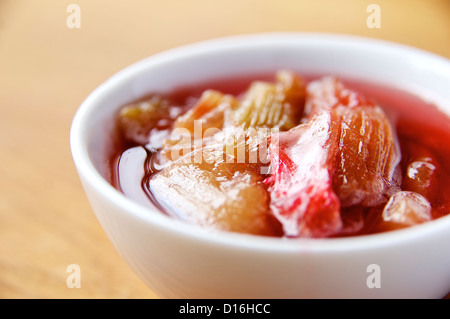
137 120
207 113
216 196
267 104
406 209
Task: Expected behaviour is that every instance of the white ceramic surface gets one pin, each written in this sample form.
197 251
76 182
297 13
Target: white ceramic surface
179 260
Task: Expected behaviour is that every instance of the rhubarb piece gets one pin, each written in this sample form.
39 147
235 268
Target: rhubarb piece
136 121
368 159
421 177
197 127
240 128
216 196
406 209
422 170
329 92
231 145
207 113
271 105
345 154
247 145
302 159
369 155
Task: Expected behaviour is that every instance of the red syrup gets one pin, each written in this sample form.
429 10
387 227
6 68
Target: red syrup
423 133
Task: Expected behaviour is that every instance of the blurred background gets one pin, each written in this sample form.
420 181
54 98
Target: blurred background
50 61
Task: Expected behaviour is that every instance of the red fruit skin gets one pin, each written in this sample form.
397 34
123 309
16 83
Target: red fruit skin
302 198
345 154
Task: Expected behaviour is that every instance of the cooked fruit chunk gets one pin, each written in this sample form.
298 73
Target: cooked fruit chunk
198 126
329 92
265 104
406 209
345 154
207 113
421 177
369 155
247 145
233 145
216 195
137 120
238 127
302 159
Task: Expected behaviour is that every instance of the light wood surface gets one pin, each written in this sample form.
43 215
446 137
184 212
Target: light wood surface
47 69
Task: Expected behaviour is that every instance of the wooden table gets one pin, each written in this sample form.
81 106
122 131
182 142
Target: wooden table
47 68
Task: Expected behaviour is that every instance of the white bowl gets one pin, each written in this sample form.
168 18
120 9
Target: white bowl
178 260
